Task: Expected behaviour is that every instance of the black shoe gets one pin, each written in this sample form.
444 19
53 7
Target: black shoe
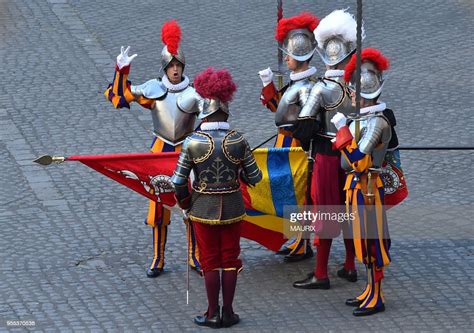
213 322
354 302
153 272
298 257
368 311
229 318
349 275
312 283
283 251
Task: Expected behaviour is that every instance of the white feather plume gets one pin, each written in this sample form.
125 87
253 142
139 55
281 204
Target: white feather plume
339 22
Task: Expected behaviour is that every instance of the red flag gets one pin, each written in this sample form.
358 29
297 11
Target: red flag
147 173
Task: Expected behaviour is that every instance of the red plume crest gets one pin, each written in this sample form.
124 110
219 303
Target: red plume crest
368 54
171 36
304 20
215 84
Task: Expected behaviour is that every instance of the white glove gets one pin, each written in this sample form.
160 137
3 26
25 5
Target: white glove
266 76
339 120
123 59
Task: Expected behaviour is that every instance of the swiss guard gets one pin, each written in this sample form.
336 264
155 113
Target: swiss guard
336 37
299 45
363 144
220 159
173 111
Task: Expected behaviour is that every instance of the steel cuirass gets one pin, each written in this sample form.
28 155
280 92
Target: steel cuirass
327 97
170 122
375 134
216 157
292 101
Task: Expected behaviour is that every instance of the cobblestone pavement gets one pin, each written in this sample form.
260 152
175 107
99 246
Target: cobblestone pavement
73 247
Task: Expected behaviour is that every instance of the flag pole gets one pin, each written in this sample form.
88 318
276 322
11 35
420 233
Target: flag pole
188 231
279 74
358 64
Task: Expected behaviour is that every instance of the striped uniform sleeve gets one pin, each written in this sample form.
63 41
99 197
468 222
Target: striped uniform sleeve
119 94
270 97
359 161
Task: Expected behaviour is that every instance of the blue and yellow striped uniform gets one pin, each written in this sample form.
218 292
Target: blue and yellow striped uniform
271 97
119 94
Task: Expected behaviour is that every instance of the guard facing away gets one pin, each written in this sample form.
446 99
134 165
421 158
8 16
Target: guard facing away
336 37
363 145
299 46
173 107
220 159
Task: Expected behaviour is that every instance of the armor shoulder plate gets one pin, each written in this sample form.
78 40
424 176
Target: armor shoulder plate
200 146
312 105
297 90
332 93
188 100
377 131
152 89
233 146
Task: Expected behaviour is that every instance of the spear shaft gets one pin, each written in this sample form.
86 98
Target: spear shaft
280 45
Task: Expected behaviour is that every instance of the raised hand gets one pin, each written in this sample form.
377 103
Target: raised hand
123 59
266 76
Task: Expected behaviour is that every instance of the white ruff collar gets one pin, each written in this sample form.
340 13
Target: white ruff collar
374 108
302 75
175 87
334 73
215 125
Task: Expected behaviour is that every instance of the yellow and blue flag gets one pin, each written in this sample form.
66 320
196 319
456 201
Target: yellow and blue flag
283 184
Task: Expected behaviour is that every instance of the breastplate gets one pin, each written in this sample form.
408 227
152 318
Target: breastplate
336 98
215 169
169 122
290 103
372 135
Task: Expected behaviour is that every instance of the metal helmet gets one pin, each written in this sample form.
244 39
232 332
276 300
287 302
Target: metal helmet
372 78
299 44
171 37
336 35
336 50
167 57
216 89
371 81
294 34
209 106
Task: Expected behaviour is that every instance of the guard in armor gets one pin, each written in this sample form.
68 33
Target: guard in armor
299 46
336 37
220 159
173 107
363 145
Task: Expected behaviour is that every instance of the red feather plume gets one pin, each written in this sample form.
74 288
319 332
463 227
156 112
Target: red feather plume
368 54
171 36
304 20
215 84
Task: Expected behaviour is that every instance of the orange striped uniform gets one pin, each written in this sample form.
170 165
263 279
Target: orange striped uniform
369 228
119 94
271 97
